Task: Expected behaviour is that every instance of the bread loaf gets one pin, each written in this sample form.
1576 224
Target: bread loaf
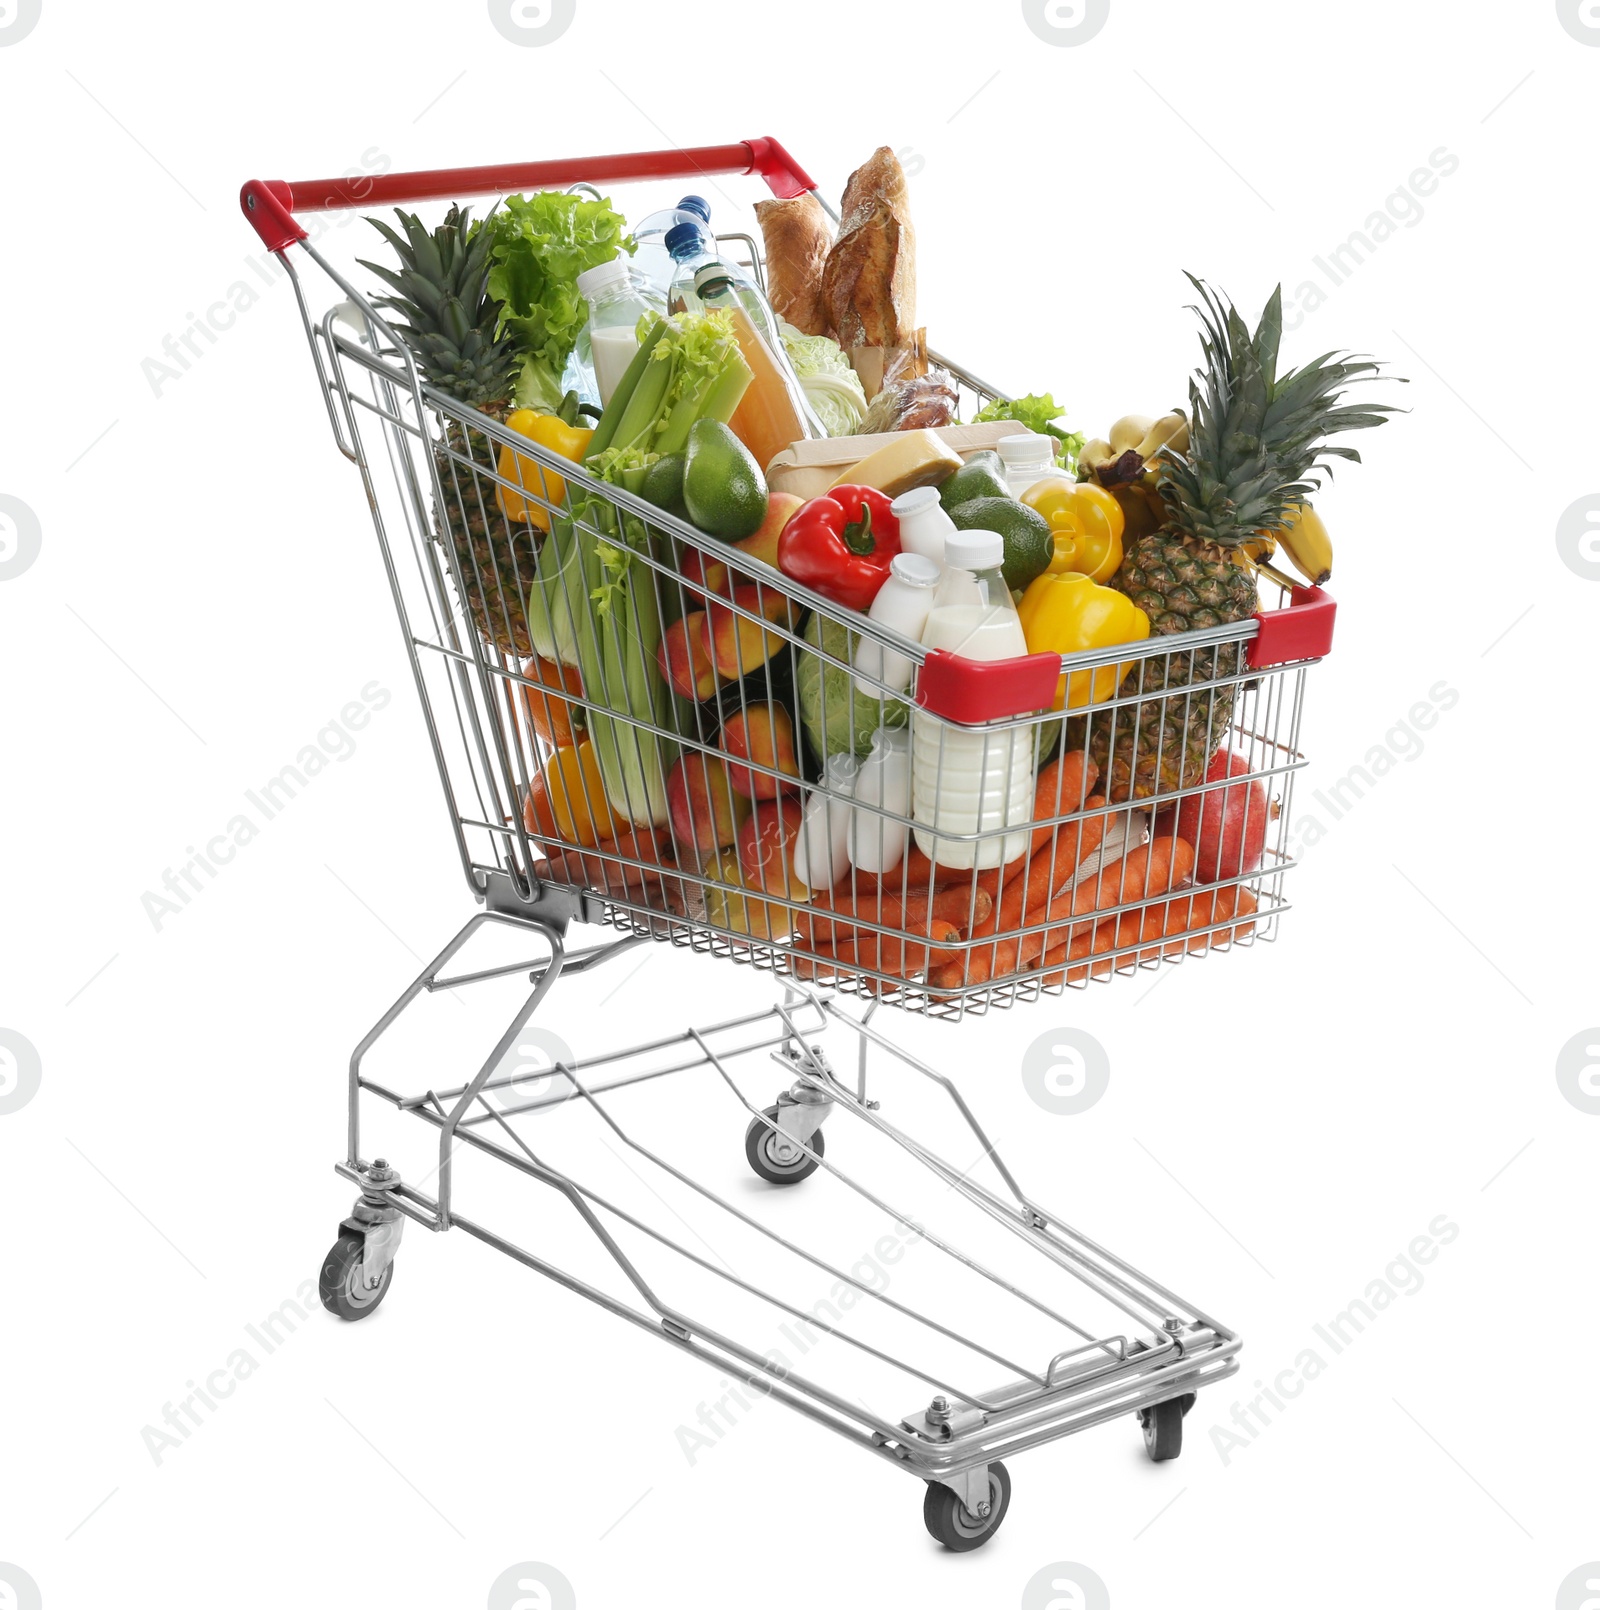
869 282
797 237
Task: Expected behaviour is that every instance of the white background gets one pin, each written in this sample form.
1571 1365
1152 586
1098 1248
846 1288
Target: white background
1279 1125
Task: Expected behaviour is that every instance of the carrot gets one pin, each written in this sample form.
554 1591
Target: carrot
879 953
1170 920
963 907
1025 898
865 905
604 869
1160 865
1061 789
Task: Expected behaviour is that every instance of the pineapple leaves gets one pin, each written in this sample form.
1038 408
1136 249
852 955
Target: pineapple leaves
441 291
1258 440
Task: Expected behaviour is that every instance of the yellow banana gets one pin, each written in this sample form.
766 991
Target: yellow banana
1307 543
1093 454
1170 432
1129 431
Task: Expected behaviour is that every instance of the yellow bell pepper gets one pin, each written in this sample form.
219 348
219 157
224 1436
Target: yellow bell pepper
549 431
577 795
1087 522
1064 612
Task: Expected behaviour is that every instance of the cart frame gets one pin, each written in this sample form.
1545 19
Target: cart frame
956 1439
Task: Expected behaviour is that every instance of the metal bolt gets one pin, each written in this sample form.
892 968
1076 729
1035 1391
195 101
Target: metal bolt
983 1511
1172 1324
939 1410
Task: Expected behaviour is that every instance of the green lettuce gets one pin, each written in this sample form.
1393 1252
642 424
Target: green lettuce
543 242
1036 413
832 387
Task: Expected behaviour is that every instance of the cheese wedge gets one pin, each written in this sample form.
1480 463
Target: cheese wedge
913 458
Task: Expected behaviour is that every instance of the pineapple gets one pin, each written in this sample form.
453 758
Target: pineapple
1255 437
450 318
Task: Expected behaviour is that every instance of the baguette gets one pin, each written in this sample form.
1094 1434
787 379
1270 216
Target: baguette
869 282
797 239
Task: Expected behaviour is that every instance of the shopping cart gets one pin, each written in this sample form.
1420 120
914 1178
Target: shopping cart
454 557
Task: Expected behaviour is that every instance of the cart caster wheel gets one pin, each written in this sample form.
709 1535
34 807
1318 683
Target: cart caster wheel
341 1286
951 1523
775 1157
1163 1428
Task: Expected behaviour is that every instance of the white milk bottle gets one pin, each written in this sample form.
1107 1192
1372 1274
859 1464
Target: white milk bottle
970 780
877 839
903 602
821 853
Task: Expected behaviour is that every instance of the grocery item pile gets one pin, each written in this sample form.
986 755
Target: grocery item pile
715 621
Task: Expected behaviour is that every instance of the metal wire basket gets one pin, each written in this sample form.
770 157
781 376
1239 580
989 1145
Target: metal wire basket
460 567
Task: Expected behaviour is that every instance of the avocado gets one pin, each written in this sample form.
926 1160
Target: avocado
982 476
663 484
723 487
1029 543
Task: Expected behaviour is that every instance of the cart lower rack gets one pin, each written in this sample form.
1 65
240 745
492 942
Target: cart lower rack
1068 1335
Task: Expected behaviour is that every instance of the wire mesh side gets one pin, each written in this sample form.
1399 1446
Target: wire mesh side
539 607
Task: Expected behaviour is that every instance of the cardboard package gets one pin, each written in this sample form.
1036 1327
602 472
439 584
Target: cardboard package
809 468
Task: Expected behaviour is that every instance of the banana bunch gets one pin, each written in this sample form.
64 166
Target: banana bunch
1124 463
1128 455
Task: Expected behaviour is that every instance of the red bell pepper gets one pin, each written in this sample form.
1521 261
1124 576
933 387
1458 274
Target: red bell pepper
842 545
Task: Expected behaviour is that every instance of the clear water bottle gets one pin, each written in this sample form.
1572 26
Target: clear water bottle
690 248
616 304
970 780
652 262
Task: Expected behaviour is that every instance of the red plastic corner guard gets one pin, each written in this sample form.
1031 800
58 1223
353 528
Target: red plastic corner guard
1303 631
964 690
266 203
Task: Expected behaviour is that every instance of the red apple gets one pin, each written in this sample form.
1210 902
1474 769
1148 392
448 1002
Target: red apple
766 847
710 573
1226 826
685 658
704 810
763 733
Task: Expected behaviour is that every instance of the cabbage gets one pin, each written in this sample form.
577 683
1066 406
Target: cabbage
838 718
831 386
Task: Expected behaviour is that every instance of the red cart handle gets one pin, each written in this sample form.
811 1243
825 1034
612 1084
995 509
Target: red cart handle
970 691
271 204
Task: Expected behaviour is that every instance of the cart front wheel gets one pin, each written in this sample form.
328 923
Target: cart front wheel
343 1284
951 1523
1163 1428
775 1157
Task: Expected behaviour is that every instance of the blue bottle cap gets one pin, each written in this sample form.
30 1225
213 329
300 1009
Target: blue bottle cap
698 205
685 239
